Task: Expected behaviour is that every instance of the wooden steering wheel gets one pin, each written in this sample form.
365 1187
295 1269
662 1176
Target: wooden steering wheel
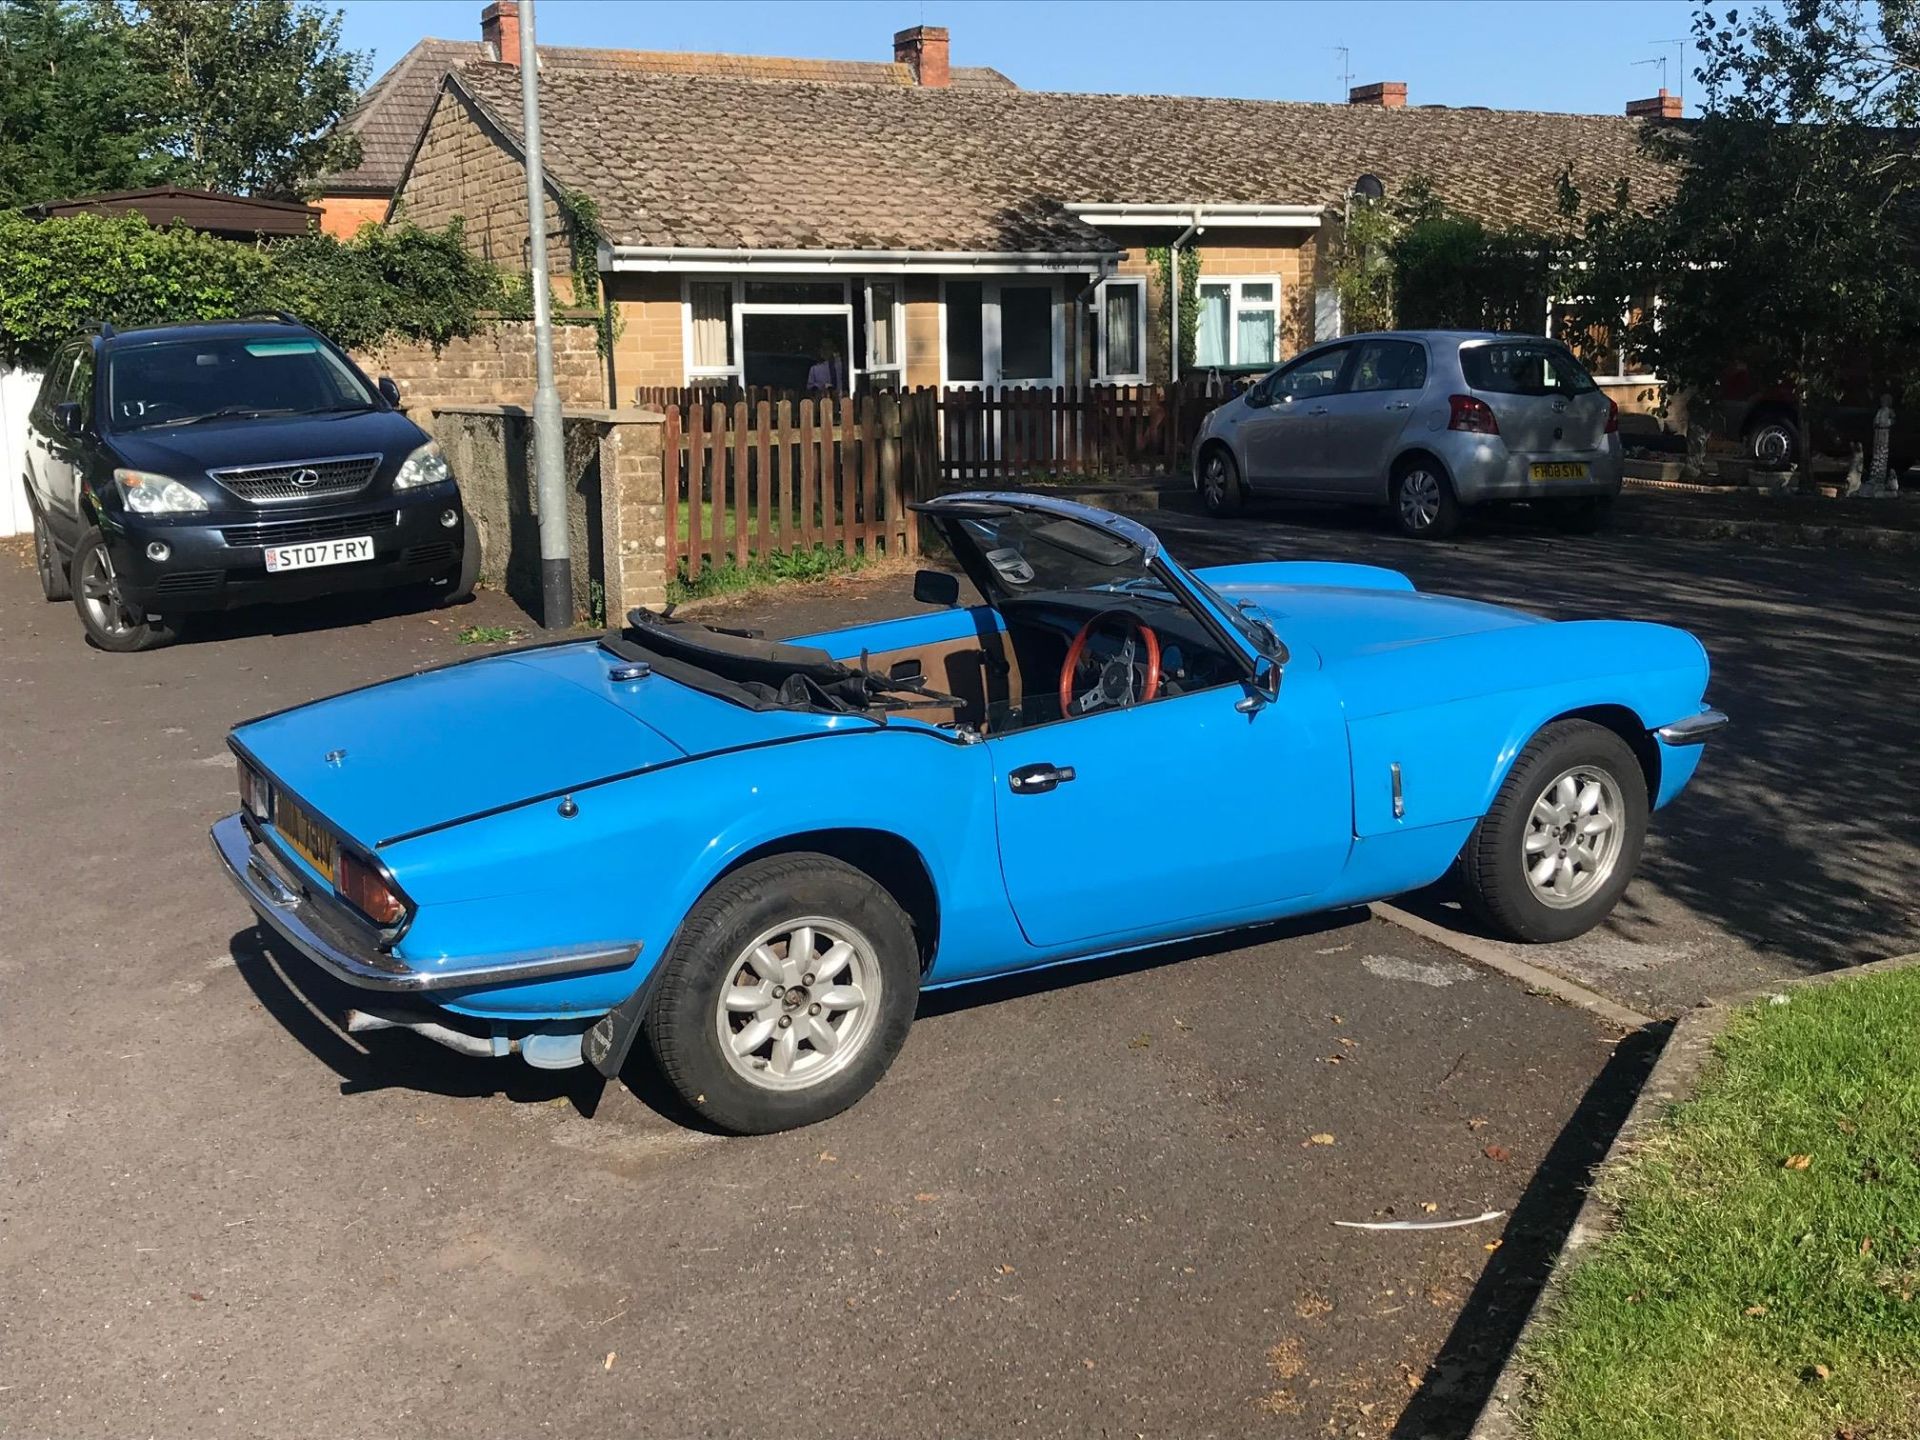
1116 675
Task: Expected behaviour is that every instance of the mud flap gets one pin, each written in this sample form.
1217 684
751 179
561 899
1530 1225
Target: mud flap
609 1040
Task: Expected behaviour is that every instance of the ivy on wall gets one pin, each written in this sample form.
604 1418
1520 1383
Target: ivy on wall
1160 258
388 282
581 214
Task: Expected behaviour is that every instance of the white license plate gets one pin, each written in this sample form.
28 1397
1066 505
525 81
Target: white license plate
319 552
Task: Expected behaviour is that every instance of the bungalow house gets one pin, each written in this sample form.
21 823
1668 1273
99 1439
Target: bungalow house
934 233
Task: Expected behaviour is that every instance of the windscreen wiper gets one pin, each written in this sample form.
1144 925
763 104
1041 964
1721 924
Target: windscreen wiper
225 412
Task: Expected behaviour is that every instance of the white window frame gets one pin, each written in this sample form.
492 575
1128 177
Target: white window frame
990 350
1236 303
1621 376
1138 284
739 309
897 370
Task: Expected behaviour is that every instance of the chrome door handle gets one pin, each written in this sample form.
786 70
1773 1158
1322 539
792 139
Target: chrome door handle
1401 405
1038 779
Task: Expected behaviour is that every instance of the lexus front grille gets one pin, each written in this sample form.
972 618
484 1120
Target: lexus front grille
299 479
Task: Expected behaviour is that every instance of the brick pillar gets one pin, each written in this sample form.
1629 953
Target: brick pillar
923 50
500 28
1385 94
633 511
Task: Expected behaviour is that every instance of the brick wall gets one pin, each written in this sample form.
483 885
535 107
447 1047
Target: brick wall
495 367
465 168
343 215
1291 255
648 350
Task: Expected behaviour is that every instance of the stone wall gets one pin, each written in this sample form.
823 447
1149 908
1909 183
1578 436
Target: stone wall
616 509
495 367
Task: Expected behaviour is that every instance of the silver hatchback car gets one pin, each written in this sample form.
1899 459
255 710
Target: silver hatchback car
1426 422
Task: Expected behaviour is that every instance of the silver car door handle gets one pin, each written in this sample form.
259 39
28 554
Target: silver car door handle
1318 410
1038 779
1401 405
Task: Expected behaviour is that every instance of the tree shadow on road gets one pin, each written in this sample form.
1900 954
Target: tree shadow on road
1460 1378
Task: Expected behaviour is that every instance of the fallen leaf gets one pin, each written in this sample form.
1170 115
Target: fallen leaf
1866 1245
1492 1245
1088 1364
1476 1123
1428 1206
1413 1381
609 1364
1796 1162
1846 1127
1818 1372
827 1157
1004 1269
1140 1042
1497 1153
1349 1043
1337 1020
1180 1024
195 1295
1321 1139
1754 1310
926 1197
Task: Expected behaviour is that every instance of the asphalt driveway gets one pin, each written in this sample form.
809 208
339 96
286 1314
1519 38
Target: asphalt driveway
1093 1203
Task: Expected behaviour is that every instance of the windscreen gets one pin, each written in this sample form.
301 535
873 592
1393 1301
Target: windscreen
1029 551
1524 367
182 382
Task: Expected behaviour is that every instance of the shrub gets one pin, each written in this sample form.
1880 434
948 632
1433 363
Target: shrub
396 281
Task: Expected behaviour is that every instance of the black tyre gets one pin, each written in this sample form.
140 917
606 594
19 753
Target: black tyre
1773 443
786 996
46 559
1422 499
460 588
1581 515
1221 490
1562 839
109 624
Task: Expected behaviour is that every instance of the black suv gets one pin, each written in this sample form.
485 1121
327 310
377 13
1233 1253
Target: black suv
196 467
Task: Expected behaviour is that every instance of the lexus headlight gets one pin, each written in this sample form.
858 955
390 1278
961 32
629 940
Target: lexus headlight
425 466
147 494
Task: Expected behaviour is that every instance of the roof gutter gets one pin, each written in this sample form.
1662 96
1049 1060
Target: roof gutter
711 260
1229 217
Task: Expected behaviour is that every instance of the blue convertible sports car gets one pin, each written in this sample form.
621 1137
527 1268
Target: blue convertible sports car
756 853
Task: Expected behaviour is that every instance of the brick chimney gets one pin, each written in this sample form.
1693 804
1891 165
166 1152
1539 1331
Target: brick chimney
500 28
923 50
1661 107
1387 94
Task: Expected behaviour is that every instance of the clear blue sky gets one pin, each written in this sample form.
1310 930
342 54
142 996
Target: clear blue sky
1512 54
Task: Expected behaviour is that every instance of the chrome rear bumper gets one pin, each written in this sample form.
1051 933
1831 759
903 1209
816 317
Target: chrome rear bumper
281 901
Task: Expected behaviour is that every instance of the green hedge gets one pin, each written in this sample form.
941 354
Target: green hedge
388 282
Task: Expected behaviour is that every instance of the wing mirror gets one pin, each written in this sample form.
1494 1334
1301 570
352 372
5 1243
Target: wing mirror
1263 686
67 416
389 391
936 587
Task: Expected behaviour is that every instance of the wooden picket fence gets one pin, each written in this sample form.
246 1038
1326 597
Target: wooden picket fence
751 479
1032 432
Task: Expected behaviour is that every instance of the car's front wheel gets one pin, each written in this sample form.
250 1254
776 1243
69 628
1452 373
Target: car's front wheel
46 559
109 622
1220 488
1557 848
1423 502
787 994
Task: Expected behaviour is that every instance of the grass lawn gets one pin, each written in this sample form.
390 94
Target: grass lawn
1764 1278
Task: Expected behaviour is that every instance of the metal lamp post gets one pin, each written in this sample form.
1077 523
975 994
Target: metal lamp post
556 558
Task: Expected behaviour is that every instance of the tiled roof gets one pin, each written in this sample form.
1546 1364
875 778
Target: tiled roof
389 117
698 163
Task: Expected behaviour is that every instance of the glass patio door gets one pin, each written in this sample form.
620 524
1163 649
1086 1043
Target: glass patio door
1004 332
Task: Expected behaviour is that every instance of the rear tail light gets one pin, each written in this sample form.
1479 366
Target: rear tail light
1613 417
1472 415
366 889
256 795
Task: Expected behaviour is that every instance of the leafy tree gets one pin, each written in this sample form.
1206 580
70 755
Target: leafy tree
1788 245
250 91
74 110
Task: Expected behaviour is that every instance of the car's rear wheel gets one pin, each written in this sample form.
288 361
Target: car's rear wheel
1774 443
460 586
46 559
1423 503
1561 841
109 622
788 992
1220 488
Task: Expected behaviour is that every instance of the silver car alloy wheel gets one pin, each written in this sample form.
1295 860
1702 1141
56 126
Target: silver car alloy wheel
1214 480
799 1003
1773 446
1419 499
1574 835
100 593
43 553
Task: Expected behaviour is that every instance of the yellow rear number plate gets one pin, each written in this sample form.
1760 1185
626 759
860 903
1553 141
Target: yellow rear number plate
1559 471
303 833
